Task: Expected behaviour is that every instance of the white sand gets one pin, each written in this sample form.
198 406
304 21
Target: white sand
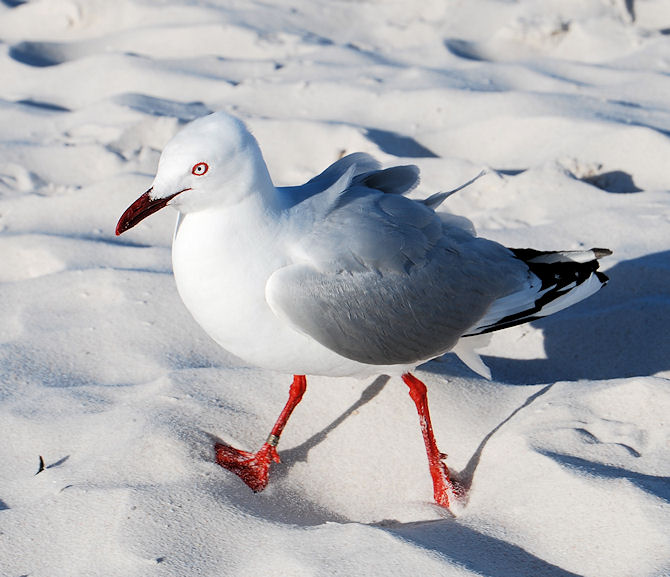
105 374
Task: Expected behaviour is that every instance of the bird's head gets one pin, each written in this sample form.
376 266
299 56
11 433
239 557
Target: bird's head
213 161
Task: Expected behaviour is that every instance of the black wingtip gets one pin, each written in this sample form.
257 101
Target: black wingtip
559 273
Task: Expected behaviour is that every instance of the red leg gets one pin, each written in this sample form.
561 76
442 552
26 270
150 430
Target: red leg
442 485
253 468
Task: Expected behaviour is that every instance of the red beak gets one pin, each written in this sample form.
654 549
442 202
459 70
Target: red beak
140 209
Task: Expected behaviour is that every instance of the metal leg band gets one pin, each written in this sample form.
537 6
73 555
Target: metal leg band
273 440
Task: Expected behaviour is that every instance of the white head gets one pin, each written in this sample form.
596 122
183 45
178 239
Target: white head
213 161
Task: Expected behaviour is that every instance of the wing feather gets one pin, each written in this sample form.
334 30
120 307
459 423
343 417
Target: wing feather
394 316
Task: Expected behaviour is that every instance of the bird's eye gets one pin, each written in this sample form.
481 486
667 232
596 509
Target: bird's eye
200 169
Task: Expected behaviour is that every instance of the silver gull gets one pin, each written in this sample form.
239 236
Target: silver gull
344 275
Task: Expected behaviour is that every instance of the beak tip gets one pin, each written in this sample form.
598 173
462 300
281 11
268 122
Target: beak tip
122 226
141 208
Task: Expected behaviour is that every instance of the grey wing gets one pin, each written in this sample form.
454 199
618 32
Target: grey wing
388 283
374 319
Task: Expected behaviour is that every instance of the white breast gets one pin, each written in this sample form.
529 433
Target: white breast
222 259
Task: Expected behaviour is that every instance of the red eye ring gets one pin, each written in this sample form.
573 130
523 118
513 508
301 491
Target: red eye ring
200 168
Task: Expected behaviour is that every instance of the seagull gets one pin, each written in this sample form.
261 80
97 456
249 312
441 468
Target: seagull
344 275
